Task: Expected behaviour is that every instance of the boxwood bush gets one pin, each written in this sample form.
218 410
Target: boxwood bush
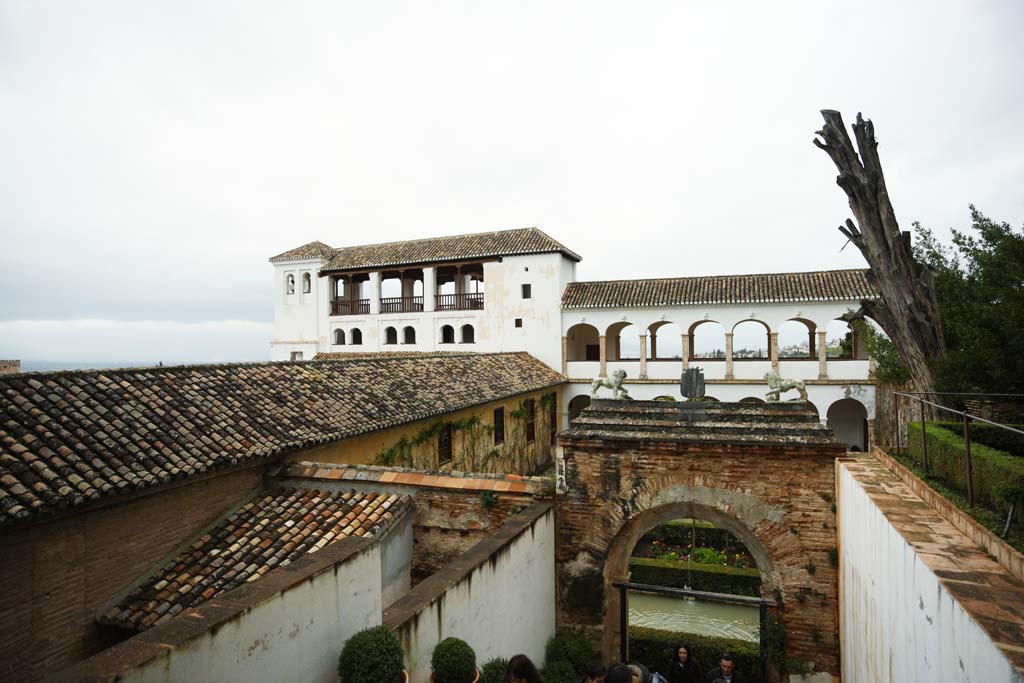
573 648
653 648
559 672
988 435
453 661
493 671
373 654
706 577
998 476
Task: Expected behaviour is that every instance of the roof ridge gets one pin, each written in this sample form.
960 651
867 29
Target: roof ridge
700 277
440 237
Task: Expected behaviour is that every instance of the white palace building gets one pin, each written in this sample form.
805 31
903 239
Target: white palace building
516 290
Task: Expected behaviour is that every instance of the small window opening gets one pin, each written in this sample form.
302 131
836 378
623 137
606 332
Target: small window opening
527 291
409 335
499 426
447 334
444 445
339 337
468 336
307 283
290 284
390 336
531 420
357 336
519 322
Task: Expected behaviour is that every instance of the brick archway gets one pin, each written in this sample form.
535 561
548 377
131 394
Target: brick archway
764 472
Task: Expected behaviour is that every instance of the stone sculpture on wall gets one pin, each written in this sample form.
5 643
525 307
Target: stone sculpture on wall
778 385
614 383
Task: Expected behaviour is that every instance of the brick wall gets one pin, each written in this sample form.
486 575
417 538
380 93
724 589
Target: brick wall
777 500
54 575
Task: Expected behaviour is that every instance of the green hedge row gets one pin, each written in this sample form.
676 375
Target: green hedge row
680 533
998 476
653 648
993 437
705 577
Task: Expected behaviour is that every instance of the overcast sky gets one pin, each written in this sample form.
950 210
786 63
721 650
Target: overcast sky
154 155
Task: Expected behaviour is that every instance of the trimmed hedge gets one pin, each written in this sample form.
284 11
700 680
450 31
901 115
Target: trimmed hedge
653 648
572 648
706 577
679 533
990 436
998 476
494 670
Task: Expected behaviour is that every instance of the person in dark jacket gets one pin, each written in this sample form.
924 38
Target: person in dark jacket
684 667
594 674
521 670
726 670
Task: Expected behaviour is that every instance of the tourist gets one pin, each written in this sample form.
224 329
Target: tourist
521 670
618 673
639 673
725 671
684 667
594 673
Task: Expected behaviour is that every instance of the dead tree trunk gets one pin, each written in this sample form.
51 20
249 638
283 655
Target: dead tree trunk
907 309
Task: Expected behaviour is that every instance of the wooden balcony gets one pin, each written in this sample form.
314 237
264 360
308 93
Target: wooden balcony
401 304
346 307
473 301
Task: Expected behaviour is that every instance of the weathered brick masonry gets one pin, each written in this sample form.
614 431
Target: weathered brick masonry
55 574
766 473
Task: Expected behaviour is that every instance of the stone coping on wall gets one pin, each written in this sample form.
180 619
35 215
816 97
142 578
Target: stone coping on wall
992 597
1008 556
403 476
112 664
423 594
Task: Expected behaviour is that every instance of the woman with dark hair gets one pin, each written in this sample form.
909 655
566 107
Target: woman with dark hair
684 667
521 670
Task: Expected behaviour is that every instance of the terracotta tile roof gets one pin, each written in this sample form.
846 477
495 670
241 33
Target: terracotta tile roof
271 531
345 355
70 437
306 251
453 248
822 285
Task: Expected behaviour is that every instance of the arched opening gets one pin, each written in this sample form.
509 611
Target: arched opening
620 564
390 335
751 399
848 420
840 341
409 335
339 337
666 341
582 343
750 340
307 283
447 334
707 341
623 341
577 405
796 339
468 334
289 284
357 336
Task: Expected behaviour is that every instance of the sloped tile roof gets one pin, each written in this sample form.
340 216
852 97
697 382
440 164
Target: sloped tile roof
822 285
344 355
306 251
271 531
453 248
70 437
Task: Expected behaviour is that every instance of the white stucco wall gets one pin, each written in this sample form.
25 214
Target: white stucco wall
298 317
503 607
898 623
295 636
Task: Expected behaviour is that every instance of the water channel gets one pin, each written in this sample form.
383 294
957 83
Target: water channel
693 616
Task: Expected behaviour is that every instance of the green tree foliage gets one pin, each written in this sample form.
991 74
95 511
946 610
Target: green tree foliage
373 654
453 661
980 286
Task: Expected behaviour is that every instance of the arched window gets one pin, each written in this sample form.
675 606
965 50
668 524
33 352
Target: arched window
447 334
750 340
665 340
796 339
390 336
468 336
623 341
339 337
307 283
839 340
409 335
583 344
289 284
707 341
357 336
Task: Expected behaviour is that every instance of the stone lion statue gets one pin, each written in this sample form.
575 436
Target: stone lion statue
614 383
778 385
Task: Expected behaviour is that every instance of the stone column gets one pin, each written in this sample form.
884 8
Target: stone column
643 356
429 288
565 355
773 350
654 345
374 293
822 356
603 372
686 351
728 356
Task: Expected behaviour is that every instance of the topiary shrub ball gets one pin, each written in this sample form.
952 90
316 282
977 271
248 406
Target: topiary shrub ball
559 672
453 661
573 648
373 654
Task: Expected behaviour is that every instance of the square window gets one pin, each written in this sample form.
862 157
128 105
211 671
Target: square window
527 292
519 322
296 355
